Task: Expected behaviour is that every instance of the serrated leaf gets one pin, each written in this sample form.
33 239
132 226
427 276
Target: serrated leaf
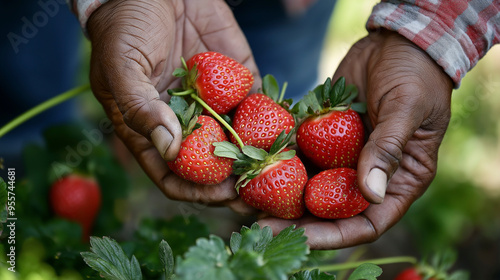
270 87
285 252
366 271
167 259
255 153
226 149
208 259
254 238
108 258
314 274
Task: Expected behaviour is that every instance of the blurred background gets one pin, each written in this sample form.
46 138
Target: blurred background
461 209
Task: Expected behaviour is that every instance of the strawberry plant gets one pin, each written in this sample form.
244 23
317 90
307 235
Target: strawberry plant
331 133
334 194
436 269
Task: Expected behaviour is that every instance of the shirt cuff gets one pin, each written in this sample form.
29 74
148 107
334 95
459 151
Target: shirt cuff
83 9
455 36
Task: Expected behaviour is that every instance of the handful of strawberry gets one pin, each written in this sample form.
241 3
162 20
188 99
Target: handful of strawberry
272 177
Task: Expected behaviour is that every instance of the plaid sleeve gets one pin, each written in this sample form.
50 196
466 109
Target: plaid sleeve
83 9
456 34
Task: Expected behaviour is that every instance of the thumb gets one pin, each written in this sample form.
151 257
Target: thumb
383 152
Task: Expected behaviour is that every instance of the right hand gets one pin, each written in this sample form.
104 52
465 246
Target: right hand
136 45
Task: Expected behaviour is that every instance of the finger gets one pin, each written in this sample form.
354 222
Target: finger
342 233
381 156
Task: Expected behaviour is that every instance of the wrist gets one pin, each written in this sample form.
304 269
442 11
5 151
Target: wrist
84 9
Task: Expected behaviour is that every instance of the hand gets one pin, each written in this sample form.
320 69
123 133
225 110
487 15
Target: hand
136 45
408 101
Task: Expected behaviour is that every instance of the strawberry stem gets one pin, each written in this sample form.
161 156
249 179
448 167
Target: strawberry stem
182 93
219 118
282 93
352 265
56 100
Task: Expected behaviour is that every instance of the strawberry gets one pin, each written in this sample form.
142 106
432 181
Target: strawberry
220 81
272 182
260 117
411 273
77 199
196 161
332 133
334 194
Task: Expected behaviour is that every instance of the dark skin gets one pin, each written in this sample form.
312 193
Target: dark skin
137 44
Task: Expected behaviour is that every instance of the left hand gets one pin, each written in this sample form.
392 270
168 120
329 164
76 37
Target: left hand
408 101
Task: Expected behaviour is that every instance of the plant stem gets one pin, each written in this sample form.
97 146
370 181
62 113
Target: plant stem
351 265
182 93
42 107
219 118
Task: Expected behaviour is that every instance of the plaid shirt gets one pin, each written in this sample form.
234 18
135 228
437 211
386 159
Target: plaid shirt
455 33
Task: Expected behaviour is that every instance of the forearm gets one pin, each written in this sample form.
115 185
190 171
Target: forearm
456 34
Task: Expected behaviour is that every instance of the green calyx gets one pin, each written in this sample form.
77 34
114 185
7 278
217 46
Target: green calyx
271 88
188 76
250 161
327 97
186 114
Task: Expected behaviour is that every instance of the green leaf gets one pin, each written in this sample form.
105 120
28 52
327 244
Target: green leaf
286 252
359 107
314 274
226 149
179 72
178 105
366 271
207 260
459 275
167 259
337 94
285 155
255 153
108 258
253 238
270 87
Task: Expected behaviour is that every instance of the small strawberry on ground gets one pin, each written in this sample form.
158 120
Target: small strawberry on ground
196 161
260 117
272 182
220 81
334 194
331 133
437 268
76 198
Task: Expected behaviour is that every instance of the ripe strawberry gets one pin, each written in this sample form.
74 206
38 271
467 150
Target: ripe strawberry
411 274
272 182
77 199
334 194
332 135
220 81
196 161
260 117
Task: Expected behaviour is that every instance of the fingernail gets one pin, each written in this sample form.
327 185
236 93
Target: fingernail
161 139
377 182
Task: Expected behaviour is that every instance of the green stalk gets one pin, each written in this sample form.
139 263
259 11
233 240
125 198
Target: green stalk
42 107
282 93
352 265
219 118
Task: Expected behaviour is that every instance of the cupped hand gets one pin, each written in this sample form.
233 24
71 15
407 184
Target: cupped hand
408 102
136 45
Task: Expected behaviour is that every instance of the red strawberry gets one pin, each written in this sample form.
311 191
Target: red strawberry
411 274
220 81
196 161
332 135
77 199
272 182
260 118
334 194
